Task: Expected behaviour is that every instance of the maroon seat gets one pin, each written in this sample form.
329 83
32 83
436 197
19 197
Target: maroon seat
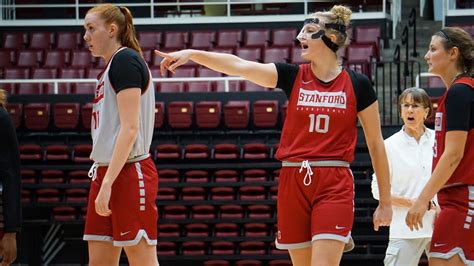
199 86
167 151
234 85
255 175
196 176
206 72
16 113
28 58
48 195
83 88
64 213
29 88
208 114
231 212
255 151
57 152
370 34
41 40
165 248
256 230
81 59
196 230
202 39
252 248
71 73
86 116
52 176
191 248
175 40
184 72
166 193
250 86
81 153
78 177
25 196
222 193
193 193
251 54
283 37
28 176
180 114
259 212
280 262
76 194
196 151
168 175
221 248
274 192
216 262
265 113
203 212
36 116
149 39
55 59
295 56
175 212
13 40
226 230
171 87
256 37
435 82
226 151
159 114
236 114
252 193
30 152
230 38
7 57
45 73
168 230
276 54
226 176
66 115
68 40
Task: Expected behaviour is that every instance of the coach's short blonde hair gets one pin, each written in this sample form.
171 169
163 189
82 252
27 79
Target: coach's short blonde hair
3 97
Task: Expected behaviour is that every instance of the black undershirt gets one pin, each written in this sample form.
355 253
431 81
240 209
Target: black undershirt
460 108
128 70
365 93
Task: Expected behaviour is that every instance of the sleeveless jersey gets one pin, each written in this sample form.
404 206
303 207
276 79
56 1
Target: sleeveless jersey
321 119
464 173
105 124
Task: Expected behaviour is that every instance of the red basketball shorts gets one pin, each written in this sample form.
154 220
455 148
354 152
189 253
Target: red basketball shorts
454 229
324 209
132 202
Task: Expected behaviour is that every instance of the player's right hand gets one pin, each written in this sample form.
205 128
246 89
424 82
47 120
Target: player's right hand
382 216
173 60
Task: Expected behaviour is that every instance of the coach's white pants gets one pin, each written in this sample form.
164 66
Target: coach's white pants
406 252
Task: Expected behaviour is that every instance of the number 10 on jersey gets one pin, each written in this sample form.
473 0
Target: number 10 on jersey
318 123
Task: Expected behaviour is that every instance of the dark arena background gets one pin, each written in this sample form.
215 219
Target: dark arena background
215 136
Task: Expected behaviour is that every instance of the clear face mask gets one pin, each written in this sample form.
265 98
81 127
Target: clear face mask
312 30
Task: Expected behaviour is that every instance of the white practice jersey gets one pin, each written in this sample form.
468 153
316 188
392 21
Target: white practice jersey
105 123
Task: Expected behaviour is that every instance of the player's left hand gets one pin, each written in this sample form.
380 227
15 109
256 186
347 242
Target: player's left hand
414 218
102 200
8 248
382 216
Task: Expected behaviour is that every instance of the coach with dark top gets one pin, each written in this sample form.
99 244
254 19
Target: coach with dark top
315 206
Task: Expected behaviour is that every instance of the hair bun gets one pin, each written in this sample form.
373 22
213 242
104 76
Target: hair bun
342 14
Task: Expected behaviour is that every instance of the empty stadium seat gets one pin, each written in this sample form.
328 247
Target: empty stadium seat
283 37
159 114
276 54
52 176
66 115
222 193
175 40
206 72
196 151
256 37
202 39
250 86
226 151
196 230
251 54
236 114
259 212
57 152
81 153
81 59
171 87
248 263
175 212
252 193
16 113
196 176
221 248
28 58
7 57
68 40
191 248
168 175
168 230
83 88
37 116
28 176
30 152
76 195
226 230
252 248
41 40
13 40
180 114
228 38
295 56
255 175
199 86
255 230
55 59
231 212
64 213
193 193
166 248
208 114
265 113
48 195
234 85
226 176
78 177
86 115
274 192
149 39
167 151
203 212
255 151
166 193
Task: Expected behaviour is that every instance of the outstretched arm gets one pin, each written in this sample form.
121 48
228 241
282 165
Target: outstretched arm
264 75
369 118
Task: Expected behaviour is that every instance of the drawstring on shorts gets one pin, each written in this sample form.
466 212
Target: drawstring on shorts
309 172
92 174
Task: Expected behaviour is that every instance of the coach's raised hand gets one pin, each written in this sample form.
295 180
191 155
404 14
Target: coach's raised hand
173 60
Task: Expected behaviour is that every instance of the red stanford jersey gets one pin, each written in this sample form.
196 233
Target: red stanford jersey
464 172
321 119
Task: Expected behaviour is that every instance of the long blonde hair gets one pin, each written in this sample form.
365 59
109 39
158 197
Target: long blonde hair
122 17
337 15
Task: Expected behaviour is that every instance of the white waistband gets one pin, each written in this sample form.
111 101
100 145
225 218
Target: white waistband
93 170
325 163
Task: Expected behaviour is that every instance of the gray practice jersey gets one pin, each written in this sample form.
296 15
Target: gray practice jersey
105 124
